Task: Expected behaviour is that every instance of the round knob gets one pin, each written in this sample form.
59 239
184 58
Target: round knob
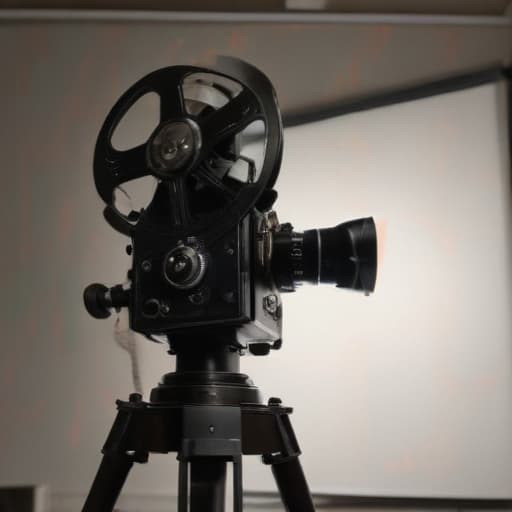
96 300
184 267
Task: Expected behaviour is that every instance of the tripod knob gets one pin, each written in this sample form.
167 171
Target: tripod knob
95 300
99 299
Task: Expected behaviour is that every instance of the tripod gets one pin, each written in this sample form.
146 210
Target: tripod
210 414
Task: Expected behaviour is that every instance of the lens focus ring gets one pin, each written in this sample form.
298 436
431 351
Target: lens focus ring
184 267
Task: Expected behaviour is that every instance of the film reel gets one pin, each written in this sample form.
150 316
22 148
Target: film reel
202 153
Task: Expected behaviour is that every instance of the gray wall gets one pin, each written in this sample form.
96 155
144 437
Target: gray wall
59 370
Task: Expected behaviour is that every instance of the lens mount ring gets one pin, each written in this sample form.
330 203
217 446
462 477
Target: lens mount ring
184 267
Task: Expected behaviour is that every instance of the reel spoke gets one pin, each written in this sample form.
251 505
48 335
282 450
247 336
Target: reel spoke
130 164
208 178
171 98
179 202
229 120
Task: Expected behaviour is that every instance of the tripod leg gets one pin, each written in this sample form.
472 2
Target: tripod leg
108 483
292 486
286 467
238 504
118 458
207 485
183 486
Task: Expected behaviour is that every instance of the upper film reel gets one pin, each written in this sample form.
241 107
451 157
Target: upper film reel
217 147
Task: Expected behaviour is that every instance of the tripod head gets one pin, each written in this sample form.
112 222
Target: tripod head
209 255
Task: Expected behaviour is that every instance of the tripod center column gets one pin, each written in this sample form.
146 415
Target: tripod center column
206 356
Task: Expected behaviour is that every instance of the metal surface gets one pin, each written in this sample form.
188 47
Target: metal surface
472 7
64 15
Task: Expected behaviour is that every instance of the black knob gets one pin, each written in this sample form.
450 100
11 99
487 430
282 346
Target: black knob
99 299
95 300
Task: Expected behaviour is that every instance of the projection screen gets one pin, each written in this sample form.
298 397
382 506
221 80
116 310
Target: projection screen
408 391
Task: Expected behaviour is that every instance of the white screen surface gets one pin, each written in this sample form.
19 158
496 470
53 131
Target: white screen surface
408 391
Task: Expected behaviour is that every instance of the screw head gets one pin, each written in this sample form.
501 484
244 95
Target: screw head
197 298
146 265
211 429
270 304
229 296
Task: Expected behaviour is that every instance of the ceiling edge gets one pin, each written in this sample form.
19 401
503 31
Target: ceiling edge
63 15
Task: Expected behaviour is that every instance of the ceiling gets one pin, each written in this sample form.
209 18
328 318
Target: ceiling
432 7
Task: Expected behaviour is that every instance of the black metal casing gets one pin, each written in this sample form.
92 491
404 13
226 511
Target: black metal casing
197 207
222 297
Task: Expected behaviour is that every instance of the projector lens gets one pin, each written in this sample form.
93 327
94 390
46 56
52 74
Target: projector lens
345 255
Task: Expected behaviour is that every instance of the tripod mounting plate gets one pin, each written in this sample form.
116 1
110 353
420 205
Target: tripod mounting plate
206 388
143 427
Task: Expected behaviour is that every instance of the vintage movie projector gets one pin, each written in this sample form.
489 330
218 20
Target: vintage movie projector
209 261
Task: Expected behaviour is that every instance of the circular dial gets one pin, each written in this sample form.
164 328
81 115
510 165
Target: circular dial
184 267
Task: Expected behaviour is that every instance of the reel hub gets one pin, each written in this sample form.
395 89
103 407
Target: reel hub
172 147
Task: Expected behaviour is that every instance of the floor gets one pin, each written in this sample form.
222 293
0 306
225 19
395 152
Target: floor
258 503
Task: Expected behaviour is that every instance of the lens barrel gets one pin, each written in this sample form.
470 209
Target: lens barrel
345 255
